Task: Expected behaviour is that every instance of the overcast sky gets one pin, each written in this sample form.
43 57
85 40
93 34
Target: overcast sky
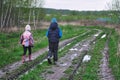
81 5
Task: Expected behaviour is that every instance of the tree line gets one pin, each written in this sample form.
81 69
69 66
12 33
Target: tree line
114 6
16 12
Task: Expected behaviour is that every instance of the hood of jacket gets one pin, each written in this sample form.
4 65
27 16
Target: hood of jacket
53 26
54 20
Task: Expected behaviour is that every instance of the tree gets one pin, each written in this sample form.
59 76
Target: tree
114 6
13 12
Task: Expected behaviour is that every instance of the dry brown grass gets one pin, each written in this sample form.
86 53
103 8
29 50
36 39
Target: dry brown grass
45 25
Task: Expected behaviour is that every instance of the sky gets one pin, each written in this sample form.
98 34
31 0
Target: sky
80 5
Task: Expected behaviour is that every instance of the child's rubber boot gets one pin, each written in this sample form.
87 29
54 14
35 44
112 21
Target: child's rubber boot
30 58
23 59
49 61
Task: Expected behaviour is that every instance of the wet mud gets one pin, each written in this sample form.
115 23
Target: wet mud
65 62
105 70
12 67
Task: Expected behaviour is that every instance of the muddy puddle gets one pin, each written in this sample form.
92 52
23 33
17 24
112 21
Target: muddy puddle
105 71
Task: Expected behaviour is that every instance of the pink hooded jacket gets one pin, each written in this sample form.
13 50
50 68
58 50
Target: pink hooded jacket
27 36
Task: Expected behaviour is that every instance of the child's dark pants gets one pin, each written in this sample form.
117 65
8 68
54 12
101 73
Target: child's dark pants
53 49
25 50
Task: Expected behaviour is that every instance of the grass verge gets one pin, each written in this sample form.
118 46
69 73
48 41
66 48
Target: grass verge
114 58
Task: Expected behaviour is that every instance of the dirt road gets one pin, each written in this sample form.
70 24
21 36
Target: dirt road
65 62
9 68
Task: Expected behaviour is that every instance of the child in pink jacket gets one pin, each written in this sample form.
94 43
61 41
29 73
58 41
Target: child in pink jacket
27 42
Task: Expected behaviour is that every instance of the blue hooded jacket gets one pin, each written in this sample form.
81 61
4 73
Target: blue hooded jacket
54 21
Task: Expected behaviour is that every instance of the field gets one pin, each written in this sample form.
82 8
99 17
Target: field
99 44
89 48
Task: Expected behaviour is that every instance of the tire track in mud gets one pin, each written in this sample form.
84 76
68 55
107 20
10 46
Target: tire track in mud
9 68
65 62
105 71
9 72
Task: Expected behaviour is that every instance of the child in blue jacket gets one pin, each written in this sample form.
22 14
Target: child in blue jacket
54 33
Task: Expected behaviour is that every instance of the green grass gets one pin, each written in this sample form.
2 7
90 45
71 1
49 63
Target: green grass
114 59
34 75
11 51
